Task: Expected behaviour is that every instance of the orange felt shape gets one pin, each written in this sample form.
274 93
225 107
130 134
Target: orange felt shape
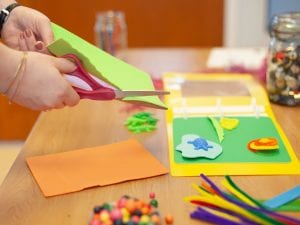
76 170
263 144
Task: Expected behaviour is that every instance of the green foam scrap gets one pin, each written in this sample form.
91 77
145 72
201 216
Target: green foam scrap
141 122
134 121
218 128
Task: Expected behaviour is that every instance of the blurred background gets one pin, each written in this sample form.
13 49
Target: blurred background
159 24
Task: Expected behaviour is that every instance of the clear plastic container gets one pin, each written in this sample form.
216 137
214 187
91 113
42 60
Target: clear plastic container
283 74
111 31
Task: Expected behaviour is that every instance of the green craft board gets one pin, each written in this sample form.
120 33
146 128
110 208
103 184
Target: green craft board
105 66
235 141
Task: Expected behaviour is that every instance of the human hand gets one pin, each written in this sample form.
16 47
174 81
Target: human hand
40 84
27 29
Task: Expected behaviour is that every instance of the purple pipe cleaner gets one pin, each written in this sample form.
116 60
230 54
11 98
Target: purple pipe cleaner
244 219
202 214
243 205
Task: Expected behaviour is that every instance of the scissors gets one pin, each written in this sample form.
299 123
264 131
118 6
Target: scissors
90 87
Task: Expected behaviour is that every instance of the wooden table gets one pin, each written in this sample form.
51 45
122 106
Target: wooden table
94 123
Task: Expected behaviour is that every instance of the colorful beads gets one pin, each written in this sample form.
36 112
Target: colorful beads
154 203
152 195
129 211
169 219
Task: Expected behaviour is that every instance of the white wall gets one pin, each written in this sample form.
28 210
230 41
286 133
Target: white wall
245 23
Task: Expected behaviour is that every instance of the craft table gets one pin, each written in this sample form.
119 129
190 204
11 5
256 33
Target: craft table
93 123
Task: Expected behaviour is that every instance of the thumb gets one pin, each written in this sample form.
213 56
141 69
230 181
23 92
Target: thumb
46 32
64 65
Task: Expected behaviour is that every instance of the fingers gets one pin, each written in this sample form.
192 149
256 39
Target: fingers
45 31
41 47
30 40
64 65
67 97
71 97
22 42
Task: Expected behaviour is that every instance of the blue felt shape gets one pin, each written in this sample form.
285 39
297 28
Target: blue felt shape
200 143
194 146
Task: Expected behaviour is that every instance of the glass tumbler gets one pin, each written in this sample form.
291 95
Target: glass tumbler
111 31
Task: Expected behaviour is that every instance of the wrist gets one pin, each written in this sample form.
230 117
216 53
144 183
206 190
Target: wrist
15 81
5 12
9 62
5 3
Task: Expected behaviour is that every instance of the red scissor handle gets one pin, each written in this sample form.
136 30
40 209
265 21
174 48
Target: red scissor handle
98 92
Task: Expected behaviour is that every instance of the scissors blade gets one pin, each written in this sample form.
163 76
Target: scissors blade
135 93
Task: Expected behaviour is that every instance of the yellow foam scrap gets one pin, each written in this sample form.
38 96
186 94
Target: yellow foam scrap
229 123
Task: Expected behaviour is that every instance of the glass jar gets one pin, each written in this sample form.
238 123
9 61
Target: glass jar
111 32
283 73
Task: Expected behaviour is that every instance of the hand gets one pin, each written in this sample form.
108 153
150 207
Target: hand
27 29
41 85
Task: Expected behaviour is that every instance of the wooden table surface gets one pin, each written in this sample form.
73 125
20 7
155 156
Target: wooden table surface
93 123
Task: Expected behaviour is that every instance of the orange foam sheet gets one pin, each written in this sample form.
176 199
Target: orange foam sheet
76 170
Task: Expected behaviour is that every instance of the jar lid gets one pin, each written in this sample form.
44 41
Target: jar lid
286 23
